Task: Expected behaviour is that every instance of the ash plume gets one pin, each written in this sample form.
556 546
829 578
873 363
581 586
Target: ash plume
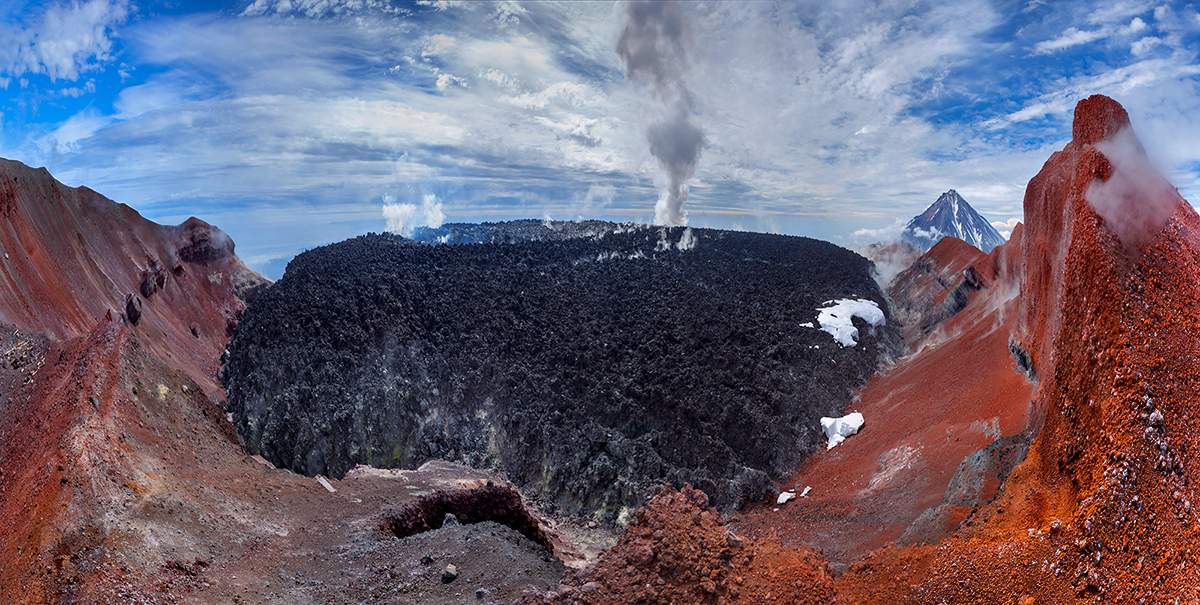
654 48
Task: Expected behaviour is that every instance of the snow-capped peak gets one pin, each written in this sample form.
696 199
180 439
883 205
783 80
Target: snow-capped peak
951 215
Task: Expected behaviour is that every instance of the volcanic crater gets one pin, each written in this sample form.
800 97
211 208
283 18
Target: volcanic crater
1030 431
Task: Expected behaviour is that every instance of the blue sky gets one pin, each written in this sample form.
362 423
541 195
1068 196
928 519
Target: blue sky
292 123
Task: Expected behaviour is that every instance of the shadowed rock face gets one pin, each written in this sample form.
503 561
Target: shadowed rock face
590 369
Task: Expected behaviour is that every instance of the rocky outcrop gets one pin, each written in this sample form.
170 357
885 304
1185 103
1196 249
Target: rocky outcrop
937 285
677 551
69 256
589 369
122 481
1104 501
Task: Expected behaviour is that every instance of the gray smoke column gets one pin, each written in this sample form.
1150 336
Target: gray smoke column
654 47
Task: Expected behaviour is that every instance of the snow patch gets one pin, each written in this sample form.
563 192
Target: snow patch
784 497
836 318
837 429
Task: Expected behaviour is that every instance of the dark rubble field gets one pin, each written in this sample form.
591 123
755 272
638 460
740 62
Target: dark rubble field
588 369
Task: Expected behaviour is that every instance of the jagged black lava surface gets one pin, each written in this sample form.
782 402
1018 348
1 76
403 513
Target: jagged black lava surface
588 369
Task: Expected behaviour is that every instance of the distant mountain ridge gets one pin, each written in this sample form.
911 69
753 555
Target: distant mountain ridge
951 215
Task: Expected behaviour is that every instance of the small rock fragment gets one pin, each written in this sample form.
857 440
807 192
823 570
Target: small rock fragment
449 574
325 484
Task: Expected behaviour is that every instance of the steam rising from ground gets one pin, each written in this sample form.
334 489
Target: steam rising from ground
654 47
890 260
402 219
1136 201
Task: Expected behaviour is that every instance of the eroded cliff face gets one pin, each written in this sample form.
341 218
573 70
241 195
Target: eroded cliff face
1101 507
122 481
70 257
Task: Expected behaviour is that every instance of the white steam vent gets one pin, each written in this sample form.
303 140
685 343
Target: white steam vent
403 219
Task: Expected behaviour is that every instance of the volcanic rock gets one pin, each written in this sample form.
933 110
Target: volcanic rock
133 308
937 285
589 369
1100 508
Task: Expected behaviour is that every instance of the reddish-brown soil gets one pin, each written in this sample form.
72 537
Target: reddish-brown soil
925 457
121 480
1101 508
919 294
124 483
677 551
70 256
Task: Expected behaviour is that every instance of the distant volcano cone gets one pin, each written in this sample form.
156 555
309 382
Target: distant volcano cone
951 216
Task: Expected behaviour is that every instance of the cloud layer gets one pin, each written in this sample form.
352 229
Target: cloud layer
296 122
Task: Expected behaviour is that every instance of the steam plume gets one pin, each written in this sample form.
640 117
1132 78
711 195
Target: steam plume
1136 201
654 46
403 219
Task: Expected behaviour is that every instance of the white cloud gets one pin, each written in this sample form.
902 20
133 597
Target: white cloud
67 39
1070 37
1148 74
509 12
1006 226
814 120
887 233
445 80
320 8
438 44
1145 45
82 126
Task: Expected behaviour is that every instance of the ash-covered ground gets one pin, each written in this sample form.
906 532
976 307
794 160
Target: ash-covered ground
589 369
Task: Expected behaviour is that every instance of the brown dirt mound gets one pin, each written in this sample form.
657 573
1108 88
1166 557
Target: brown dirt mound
678 551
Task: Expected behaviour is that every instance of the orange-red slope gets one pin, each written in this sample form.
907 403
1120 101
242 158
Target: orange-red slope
1101 510
922 462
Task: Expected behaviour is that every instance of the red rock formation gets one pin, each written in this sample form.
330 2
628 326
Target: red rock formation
1101 509
71 256
937 285
121 481
677 551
